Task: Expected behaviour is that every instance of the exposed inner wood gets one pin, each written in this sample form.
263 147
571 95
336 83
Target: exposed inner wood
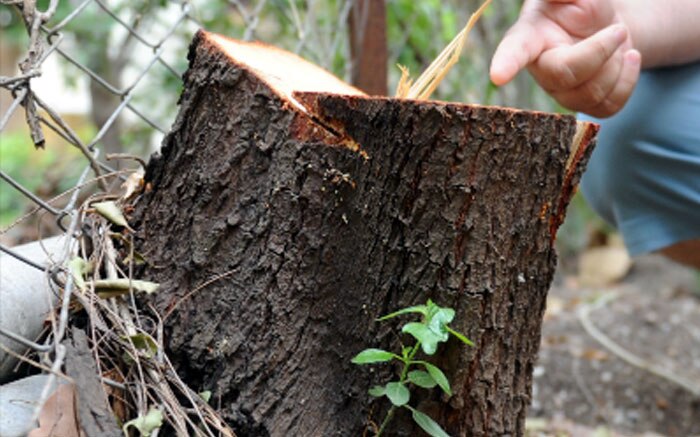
283 71
578 149
286 73
582 129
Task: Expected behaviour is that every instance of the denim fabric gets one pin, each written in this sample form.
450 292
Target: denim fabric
644 175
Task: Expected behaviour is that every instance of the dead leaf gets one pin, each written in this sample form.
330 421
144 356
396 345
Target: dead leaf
534 424
107 288
554 340
593 354
604 265
111 212
133 184
555 306
573 303
58 416
116 395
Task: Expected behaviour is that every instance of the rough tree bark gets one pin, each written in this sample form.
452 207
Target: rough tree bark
281 227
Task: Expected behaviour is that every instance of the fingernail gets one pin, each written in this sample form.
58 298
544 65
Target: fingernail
620 33
498 73
633 57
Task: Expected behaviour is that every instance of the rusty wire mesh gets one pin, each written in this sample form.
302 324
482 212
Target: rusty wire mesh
127 80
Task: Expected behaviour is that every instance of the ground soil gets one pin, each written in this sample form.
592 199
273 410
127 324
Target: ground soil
583 388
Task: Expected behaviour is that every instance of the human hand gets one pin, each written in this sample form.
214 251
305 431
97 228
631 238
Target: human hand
579 51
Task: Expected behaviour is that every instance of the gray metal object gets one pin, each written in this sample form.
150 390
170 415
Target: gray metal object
25 297
18 401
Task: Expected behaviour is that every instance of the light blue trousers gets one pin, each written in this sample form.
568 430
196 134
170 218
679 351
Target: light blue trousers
644 175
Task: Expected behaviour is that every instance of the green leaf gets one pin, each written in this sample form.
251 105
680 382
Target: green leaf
460 336
111 212
144 342
421 309
107 288
441 312
427 424
427 338
146 424
439 377
205 395
369 356
377 391
421 378
78 268
397 393
439 320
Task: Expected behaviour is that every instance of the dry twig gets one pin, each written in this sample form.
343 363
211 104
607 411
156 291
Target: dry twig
426 84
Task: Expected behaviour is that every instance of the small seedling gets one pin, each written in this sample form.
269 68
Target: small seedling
432 329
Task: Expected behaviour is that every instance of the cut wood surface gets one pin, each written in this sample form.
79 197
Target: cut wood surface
287 211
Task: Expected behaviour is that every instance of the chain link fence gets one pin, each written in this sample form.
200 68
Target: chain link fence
88 87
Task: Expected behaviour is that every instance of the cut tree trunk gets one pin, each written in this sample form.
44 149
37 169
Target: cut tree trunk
287 211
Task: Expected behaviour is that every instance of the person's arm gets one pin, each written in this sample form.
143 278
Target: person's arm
587 53
665 32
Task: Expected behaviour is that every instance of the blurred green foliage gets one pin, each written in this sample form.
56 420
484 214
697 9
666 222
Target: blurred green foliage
47 172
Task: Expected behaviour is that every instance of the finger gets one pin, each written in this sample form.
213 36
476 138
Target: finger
594 91
521 46
566 67
632 62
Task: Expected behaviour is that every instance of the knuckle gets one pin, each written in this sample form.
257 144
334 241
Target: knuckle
601 51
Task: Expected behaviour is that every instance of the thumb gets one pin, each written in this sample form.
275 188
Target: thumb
520 47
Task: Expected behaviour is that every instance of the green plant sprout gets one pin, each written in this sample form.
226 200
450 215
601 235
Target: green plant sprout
431 330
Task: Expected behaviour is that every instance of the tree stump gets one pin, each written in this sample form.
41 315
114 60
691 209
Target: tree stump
287 211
